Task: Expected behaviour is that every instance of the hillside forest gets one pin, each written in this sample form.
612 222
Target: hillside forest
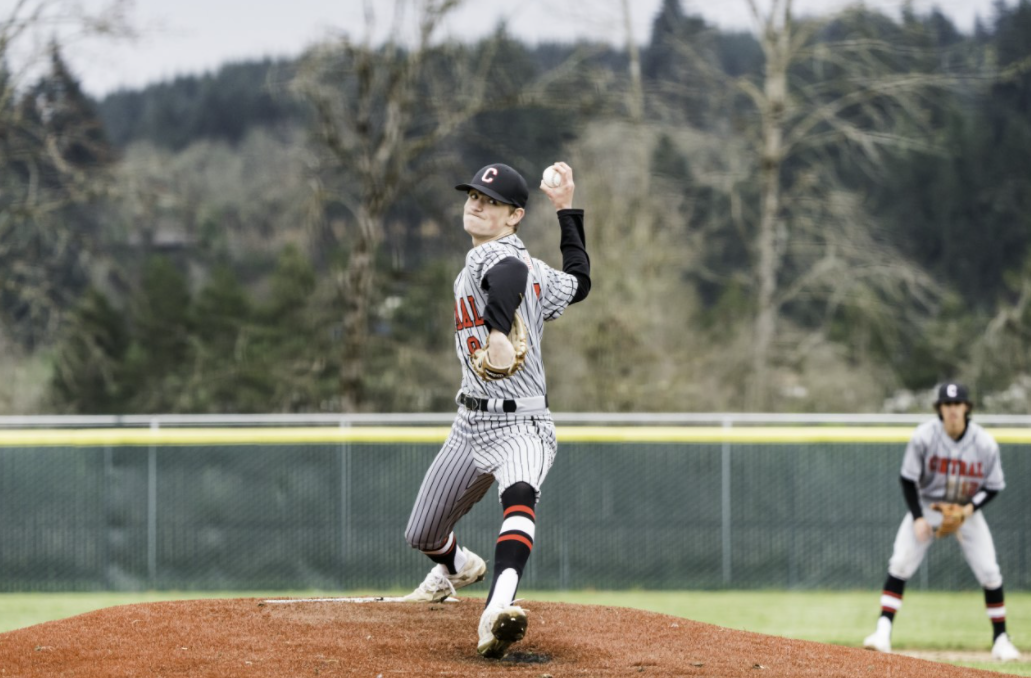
824 214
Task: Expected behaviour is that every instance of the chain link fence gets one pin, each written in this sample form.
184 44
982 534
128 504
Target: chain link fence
621 509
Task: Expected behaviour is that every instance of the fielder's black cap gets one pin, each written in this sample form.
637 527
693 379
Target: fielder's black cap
952 392
500 182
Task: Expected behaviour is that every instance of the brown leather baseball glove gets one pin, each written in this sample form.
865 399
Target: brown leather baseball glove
517 335
953 516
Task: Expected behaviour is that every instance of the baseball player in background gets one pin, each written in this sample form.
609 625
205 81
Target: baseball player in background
950 470
503 429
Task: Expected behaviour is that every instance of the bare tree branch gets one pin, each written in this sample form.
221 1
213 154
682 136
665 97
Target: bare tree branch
814 101
382 114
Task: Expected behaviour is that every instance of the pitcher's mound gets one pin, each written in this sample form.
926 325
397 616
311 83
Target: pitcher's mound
257 639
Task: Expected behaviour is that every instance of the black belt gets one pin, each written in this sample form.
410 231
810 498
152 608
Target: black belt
482 404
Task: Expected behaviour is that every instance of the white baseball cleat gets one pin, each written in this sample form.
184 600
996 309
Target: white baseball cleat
499 628
880 640
1003 649
438 584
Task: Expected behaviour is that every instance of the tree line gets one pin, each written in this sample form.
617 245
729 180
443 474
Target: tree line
818 215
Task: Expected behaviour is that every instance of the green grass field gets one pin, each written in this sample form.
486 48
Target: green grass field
928 620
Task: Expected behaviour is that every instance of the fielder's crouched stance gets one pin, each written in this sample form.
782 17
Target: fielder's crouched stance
503 430
950 470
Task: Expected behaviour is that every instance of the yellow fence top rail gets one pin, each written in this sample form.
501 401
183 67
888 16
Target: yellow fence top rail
102 437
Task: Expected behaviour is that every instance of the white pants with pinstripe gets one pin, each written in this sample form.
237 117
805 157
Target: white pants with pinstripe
480 449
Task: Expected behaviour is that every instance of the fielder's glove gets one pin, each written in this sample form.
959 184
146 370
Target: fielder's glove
953 516
517 335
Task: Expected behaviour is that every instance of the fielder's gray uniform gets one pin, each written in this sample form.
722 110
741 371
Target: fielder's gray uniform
503 429
954 471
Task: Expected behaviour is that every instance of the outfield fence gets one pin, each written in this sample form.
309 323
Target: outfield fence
633 501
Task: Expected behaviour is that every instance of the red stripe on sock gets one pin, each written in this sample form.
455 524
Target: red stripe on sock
892 594
516 537
433 553
521 509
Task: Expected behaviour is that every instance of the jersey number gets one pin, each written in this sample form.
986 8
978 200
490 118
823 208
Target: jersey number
969 488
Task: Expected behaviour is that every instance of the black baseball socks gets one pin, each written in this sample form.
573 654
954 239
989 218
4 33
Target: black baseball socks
515 542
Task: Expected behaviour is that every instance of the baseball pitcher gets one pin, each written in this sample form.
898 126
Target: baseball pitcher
950 470
503 429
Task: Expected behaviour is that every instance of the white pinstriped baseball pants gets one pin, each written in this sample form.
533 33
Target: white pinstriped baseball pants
480 449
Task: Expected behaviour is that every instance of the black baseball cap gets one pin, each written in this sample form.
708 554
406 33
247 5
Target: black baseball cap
952 392
500 182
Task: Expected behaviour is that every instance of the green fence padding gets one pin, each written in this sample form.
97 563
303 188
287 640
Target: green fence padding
209 509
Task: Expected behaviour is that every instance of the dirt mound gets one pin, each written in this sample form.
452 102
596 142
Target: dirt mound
258 639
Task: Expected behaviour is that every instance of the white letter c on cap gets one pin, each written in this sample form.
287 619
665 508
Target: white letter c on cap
488 176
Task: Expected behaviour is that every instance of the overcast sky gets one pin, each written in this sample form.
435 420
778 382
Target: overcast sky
193 36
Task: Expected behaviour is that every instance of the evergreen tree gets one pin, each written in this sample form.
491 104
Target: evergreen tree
71 118
53 162
297 337
159 360
87 377
670 63
527 135
967 216
227 375
222 106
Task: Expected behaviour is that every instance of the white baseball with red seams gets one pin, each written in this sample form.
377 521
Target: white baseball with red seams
552 177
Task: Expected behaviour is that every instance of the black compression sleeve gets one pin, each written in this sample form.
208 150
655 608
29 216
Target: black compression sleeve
988 496
912 497
573 244
504 283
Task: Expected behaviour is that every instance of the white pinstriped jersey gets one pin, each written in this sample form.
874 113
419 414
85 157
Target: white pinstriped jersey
486 446
952 470
548 293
